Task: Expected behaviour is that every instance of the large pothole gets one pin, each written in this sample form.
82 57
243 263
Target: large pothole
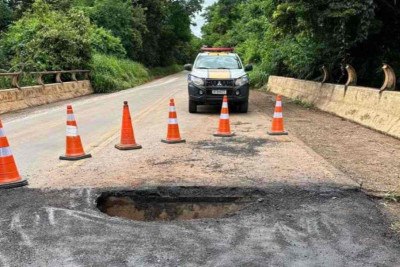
171 204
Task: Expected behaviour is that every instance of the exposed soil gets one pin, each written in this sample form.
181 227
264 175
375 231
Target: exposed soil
151 205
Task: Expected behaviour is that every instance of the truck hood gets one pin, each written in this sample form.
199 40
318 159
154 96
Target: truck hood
218 73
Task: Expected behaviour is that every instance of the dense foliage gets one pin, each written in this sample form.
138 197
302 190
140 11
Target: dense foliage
46 39
295 37
107 36
111 74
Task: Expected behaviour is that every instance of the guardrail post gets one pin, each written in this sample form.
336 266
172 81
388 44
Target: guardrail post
58 77
15 80
73 76
351 76
390 78
39 78
325 72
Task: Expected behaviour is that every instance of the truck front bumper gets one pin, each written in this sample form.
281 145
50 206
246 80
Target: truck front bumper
207 98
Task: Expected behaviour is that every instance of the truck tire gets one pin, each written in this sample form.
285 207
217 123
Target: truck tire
192 107
244 107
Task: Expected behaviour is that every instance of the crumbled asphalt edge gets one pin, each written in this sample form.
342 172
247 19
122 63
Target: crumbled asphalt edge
243 146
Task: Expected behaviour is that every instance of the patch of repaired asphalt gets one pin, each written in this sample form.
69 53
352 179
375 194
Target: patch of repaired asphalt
243 146
284 227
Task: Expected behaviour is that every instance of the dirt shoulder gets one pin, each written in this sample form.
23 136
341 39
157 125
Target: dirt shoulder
366 156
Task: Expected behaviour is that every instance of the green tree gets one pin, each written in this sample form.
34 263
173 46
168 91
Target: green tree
123 19
295 37
5 15
169 35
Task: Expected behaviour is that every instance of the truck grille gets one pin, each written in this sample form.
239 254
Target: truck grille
220 83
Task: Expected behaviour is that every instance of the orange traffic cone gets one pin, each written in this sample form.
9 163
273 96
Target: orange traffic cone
277 121
173 135
224 129
9 176
74 149
127 135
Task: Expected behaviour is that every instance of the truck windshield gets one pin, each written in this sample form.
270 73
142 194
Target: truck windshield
218 62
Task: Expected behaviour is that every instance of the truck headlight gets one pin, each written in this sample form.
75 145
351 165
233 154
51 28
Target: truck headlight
242 81
196 80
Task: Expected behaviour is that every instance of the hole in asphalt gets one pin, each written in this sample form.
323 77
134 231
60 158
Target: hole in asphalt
168 206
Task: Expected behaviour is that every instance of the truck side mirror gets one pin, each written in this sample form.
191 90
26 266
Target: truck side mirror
248 67
188 67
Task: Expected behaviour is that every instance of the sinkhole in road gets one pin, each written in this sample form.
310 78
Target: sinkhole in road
170 205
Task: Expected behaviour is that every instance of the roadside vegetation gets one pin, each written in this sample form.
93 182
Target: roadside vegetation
303 103
296 37
124 43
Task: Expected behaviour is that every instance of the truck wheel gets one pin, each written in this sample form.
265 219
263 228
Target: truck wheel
244 107
192 107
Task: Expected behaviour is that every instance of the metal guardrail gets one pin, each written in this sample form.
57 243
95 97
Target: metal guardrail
16 76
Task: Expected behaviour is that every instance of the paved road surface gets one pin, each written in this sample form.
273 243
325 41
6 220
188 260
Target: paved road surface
305 211
38 135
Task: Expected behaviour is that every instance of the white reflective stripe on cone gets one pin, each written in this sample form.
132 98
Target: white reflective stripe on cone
70 117
224 116
172 121
224 104
278 103
172 109
5 152
278 115
2 133
72 130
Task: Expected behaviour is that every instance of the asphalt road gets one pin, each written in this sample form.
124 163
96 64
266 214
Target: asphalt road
37 136
284 227
304 212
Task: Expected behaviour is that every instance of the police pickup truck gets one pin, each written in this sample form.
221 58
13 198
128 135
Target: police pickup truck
217 72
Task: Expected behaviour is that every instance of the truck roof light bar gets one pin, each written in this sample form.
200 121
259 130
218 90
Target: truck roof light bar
217 49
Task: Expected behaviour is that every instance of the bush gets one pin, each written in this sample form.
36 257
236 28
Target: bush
47 40
103 42
111 74
164 71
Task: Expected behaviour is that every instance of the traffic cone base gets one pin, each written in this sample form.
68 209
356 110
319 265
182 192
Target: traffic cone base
173 141
224 135
70 158
14 185
128 147
278 133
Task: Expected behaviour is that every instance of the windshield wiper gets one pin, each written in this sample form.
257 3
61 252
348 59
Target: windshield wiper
202 68
224 68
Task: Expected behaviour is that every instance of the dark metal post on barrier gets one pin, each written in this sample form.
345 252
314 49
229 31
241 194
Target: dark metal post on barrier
390 78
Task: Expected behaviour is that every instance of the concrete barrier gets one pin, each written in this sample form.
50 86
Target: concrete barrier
366 106
16 99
